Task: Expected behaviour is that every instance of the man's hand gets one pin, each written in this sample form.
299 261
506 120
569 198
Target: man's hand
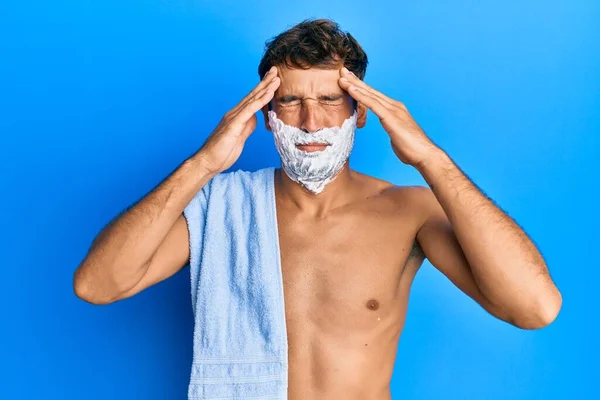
410 143
224 145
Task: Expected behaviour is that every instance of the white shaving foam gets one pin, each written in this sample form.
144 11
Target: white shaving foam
313 170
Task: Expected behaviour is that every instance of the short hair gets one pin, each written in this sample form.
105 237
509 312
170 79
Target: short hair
314 43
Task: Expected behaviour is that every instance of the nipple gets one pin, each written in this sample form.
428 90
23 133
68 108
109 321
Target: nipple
372 304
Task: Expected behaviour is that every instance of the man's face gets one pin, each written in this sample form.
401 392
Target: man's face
311 99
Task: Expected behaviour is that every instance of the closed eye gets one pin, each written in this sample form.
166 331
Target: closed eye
286 101
332 101
329 100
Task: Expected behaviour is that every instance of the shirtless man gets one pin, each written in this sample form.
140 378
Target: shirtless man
350 253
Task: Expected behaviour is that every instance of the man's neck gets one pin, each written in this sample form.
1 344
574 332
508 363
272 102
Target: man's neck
337 193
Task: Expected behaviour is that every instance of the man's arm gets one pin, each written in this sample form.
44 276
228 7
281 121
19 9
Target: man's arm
149 242
482 250
144 245
508 269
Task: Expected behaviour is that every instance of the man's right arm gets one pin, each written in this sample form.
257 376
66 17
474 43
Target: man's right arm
144 245
149 242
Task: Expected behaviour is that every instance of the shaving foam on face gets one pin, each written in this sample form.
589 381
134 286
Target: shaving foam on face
313 170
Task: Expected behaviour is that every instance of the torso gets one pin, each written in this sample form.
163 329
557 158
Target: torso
346 280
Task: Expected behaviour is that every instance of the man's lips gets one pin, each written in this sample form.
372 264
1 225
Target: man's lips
312 147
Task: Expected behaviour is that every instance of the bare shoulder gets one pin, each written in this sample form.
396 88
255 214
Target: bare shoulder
414 195
407 206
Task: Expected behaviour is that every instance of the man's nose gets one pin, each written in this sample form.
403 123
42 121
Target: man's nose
312 118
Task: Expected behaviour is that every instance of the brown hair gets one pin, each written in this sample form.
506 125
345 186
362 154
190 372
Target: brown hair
314 43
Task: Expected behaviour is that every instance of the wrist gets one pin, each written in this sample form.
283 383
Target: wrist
433 159
197 163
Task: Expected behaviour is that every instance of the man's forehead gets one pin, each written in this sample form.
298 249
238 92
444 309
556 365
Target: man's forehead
314 80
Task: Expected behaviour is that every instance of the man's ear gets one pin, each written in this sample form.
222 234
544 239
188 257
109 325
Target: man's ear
265 111
361 117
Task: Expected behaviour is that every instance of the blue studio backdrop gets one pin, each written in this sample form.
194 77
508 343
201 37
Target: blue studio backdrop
101 100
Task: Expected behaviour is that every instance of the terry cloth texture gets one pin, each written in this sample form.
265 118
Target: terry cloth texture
240 338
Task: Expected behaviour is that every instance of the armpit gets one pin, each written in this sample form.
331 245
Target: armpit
416 251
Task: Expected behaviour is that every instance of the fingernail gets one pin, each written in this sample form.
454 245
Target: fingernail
345 70
269 72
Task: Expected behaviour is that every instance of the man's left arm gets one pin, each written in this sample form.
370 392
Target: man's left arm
505 264
465 235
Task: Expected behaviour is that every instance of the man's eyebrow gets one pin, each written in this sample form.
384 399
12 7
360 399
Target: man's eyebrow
331 96
292 97
287 98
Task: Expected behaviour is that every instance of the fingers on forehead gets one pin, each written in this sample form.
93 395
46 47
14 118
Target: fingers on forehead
369 100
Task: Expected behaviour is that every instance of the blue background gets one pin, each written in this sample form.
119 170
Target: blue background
101 100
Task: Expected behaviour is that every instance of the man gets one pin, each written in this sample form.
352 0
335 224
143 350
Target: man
351 244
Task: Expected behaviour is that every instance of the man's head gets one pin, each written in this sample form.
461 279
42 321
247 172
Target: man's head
308 58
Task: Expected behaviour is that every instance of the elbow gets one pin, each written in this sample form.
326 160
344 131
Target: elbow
545 313
83 290
551 308
80 293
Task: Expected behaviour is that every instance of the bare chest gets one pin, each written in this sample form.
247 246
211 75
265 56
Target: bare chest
347 271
